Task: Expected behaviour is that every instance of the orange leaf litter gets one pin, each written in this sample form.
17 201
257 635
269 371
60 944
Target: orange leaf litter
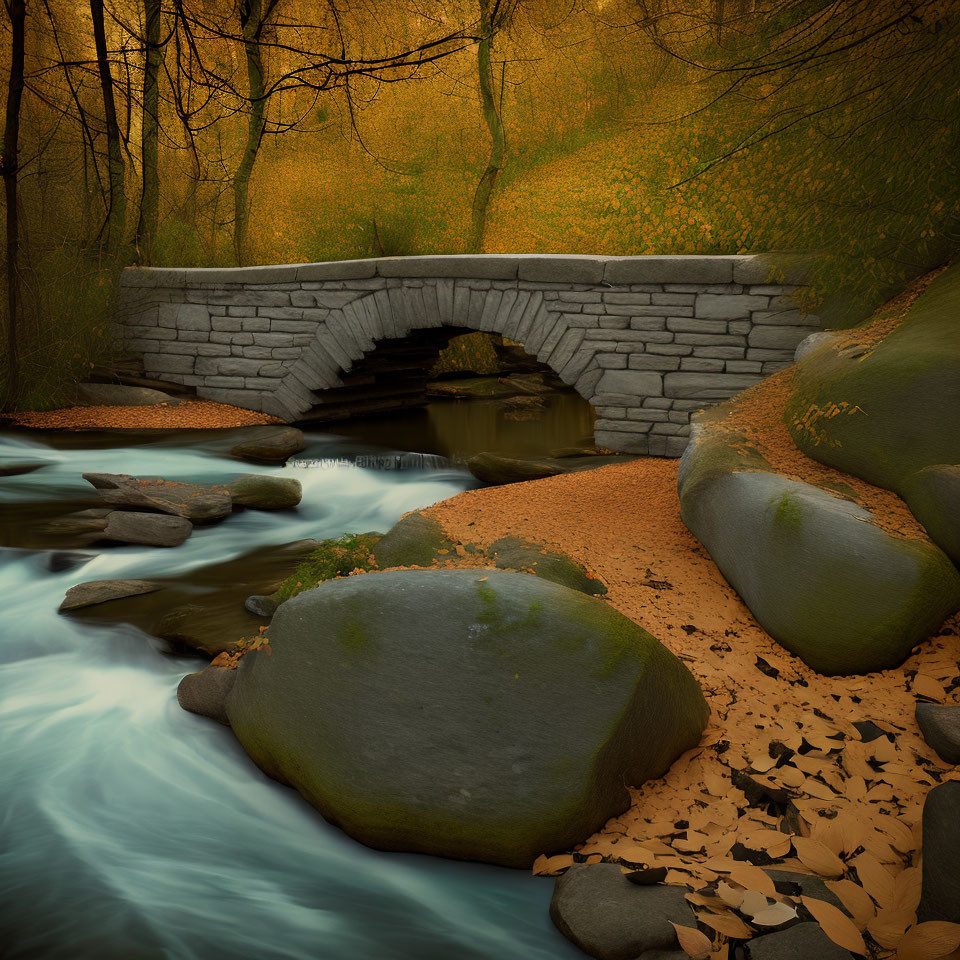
188 415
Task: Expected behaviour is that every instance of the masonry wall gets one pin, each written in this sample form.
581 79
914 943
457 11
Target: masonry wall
647 340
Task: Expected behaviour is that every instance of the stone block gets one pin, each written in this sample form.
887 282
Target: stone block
635 443
273 339
228 366
559 268
644 361
635 383
670 269
612 361
702 364
626 299
706 387
696 325
711 340
720 352
488 267
713 306
670 349
777 338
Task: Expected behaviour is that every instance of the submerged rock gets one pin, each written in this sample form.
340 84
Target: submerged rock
19 468
147 529
261 605
269 444
494 469
414 541
489 717
118 395
189 500
261 491
940 898
206 692
940 726
610 918
100 591
512 553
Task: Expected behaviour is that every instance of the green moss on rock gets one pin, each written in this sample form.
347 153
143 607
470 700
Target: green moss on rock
333 558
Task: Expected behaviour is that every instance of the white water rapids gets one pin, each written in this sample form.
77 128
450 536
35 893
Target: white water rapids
131 829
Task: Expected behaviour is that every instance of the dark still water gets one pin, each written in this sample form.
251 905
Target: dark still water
131 829
458 429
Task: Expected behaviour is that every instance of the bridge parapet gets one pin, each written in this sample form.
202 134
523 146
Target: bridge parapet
647 340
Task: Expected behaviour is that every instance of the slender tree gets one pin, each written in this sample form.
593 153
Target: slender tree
493 16
10 166
117 210
149 134
253 18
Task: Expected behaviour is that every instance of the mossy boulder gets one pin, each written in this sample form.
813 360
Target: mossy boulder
511 553
933 495
414 541
470 714
884 412
816 570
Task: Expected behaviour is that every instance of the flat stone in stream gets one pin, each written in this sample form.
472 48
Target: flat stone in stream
261 491
269 444
17 469
147 529
100 591
189 500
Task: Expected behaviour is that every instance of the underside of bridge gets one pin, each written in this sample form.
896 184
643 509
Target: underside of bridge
401 373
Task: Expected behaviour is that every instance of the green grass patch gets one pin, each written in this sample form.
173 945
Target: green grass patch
333 558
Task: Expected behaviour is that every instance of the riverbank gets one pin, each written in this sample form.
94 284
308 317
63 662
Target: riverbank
185 415
623 523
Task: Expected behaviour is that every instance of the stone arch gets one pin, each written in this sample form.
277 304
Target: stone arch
348 333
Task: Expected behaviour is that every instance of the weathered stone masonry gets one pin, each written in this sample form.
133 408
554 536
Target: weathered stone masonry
646 340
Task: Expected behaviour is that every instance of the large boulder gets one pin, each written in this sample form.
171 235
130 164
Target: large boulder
884 411
464 713
940 898
269 444
189 500
512 553
148 529
933 495
260 491
414 541
100 591
610 918
816 570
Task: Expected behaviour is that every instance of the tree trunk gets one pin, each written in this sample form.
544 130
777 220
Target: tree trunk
10 167
117 212
498 145
250 25
149 134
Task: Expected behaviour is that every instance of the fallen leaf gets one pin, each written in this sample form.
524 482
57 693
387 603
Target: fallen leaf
774 915
836 925
727 924
929 941
818 857
855 899
692 942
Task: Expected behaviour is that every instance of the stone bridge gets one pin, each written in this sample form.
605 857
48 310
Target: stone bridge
646 340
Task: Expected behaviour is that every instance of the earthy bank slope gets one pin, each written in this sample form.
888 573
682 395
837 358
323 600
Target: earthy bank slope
859 798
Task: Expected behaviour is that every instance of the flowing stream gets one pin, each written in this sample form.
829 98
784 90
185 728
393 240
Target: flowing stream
131 829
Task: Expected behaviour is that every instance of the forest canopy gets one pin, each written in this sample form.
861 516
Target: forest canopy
215 132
